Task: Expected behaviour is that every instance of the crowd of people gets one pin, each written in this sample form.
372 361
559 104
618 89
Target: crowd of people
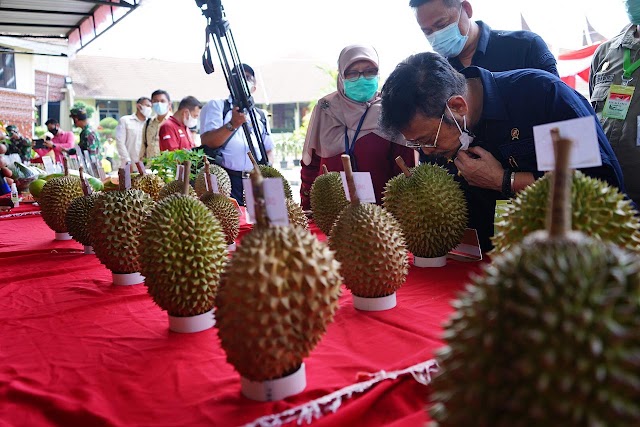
471 107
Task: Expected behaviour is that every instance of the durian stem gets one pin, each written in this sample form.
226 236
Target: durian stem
141 169
122 177
207 175
65 165
324 170
253 160
403 166
260 210
559 210
346 164
186 174
83 183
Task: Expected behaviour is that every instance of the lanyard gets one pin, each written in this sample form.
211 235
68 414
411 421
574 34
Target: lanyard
350 148
627 66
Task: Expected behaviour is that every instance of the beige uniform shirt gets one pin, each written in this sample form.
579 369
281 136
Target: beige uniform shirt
151 138
129 138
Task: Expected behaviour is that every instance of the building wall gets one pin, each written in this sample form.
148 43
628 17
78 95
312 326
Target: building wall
17 108
25 74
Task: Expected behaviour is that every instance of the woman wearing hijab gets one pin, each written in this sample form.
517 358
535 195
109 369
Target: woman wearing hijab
346 122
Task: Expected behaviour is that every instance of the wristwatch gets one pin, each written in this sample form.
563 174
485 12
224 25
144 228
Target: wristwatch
229 126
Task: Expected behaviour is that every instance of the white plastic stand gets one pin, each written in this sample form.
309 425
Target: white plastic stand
127 279
63 236
231 247
374 304
191 324
440 261
88 250
281 388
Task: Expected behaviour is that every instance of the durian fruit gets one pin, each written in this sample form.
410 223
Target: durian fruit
430 208
599 211
149 183
296 214
183 254
549 335
327 200
55 198
271 172
117 218
174 187
78 219
222 207
369 245
222 177
276 298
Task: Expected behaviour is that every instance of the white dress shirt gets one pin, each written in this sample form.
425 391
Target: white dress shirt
129 138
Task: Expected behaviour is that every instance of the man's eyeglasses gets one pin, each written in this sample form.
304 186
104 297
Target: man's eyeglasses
419 144
354 75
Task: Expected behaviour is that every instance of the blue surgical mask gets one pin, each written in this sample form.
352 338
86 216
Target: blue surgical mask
161 108
448 41
633 10
361 90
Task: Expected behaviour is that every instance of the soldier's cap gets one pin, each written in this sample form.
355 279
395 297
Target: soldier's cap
11 129
78 113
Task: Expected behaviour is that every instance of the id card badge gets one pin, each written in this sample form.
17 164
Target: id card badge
618 102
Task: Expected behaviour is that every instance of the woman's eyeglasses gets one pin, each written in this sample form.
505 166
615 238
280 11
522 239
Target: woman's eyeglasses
354 75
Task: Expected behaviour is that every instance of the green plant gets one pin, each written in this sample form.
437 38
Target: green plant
39 131
107 128
165 163
89 109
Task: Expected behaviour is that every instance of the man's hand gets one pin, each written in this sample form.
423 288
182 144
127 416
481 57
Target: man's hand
237 117
48 144
484 171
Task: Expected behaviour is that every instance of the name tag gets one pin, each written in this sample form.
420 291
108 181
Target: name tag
618 102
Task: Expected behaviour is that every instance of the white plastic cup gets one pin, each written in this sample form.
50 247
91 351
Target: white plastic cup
374 304
278 389
429 262
191 324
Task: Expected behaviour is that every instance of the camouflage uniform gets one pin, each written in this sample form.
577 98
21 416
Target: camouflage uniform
18 144
90 141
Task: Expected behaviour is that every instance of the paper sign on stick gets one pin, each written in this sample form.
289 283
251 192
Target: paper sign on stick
585 150
469 247
213 183
275 205
364 187
48 164
248 199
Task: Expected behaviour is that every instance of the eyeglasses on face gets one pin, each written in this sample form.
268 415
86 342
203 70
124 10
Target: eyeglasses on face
418 143
354 75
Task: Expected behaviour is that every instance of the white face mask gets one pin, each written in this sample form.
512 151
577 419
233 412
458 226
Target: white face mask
465 137
252 86
190 121
145 111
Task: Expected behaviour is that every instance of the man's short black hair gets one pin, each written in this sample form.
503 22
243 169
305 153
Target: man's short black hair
447 3
51 122
189 102
421 83
246 68
161 92
142 99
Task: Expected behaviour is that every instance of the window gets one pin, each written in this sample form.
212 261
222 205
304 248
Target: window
108 109
283 119
7 69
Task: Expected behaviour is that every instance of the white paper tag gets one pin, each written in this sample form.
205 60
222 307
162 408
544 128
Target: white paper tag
585 150
48 164
469 247
275 201
213 183
364 186
248 199
179 171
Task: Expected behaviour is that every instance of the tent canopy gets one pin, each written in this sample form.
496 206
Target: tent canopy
77 21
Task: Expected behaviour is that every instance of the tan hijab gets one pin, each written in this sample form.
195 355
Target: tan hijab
325 134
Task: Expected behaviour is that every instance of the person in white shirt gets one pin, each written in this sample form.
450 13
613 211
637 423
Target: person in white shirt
222 139
129 132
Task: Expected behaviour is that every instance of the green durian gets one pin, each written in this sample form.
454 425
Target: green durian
55 198
78 218
296 215
271 172
226 212
327 200
149 183
175 187
222 178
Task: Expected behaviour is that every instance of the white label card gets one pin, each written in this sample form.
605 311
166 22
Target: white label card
364 186
213 183
469 247
248 199
274 201
179 171
585 150
48 164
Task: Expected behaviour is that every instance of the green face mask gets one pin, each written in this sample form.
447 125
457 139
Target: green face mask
361 90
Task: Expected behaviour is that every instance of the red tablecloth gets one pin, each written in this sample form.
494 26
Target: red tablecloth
77 351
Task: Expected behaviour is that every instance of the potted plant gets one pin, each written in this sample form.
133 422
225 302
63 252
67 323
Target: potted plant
281 147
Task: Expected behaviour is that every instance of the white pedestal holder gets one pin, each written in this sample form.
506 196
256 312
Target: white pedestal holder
191 324
63 236
88 250
374 304
278 389
440 261
127 279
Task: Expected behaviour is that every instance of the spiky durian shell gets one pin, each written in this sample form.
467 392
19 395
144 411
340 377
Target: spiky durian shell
175 187
222 177
327 200
430 208
78 218
55 198
149 183
117 218
370 248
598 210
547 336
270 172
183 254
226 213
296 215
275 300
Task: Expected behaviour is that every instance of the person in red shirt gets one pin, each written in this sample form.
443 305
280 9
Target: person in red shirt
61 142
175 133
